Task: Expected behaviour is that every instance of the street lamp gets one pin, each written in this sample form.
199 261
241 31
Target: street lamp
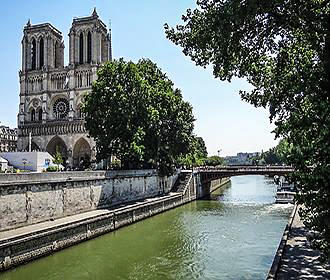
24 161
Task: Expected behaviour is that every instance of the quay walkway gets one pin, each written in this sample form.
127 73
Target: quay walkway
295 259
30 230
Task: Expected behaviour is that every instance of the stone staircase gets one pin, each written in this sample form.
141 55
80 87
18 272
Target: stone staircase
182 182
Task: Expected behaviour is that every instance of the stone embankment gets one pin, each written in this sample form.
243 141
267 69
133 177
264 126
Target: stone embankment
295 258
100 202
26 199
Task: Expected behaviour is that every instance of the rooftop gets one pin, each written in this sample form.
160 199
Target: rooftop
93 16
30 26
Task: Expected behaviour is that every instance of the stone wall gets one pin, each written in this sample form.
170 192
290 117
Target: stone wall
32 198
216 184
21 178
207 188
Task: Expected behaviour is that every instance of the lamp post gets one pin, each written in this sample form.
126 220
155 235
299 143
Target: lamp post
24 161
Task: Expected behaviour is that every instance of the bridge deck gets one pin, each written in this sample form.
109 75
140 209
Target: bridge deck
213 173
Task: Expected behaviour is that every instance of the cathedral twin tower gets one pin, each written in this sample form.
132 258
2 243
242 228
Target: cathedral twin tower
50 116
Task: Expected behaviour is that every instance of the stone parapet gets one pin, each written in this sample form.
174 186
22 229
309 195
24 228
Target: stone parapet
27 178
27 199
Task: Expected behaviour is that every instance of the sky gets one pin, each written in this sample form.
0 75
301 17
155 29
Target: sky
226 123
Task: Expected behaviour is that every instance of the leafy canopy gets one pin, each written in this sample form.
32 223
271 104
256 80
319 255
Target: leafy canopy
201 147
197 153
274 156
214 161
135 113
283 49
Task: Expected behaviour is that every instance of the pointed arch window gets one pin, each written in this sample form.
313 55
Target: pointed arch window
40 115
89 47
33 54
81 48
33 115
55 55
41 53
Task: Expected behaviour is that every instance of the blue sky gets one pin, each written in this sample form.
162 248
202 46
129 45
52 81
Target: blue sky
223 120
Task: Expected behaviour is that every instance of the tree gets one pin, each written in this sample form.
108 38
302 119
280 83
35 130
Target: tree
135 113
282 150
201 147
283 49
197 153
58 159
275 155
214 161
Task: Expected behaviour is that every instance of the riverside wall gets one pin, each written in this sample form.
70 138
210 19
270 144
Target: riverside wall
272 273
216 184
26 246
204 190
32 198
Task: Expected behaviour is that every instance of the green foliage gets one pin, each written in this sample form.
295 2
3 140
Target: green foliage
271 157
274 156
197 153
283 150
52 169
283 49
115 165
201 148
214 161
135 113
58 159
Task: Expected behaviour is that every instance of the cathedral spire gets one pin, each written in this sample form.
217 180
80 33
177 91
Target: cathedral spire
28 23
94 14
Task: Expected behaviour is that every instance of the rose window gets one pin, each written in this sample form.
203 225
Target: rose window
61 108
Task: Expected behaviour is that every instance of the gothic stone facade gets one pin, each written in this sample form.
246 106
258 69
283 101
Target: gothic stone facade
51 93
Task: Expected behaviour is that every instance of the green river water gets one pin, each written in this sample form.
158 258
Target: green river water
233 235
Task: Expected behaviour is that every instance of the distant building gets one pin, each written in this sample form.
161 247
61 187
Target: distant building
8 139
241 158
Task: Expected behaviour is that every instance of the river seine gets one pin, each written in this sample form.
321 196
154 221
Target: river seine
231 235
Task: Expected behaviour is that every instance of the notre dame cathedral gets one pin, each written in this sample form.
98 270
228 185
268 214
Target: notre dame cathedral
50 116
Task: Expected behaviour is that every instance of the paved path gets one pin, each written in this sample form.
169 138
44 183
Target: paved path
4 235
44 226
299 260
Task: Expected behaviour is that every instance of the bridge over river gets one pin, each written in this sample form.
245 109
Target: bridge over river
213 173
